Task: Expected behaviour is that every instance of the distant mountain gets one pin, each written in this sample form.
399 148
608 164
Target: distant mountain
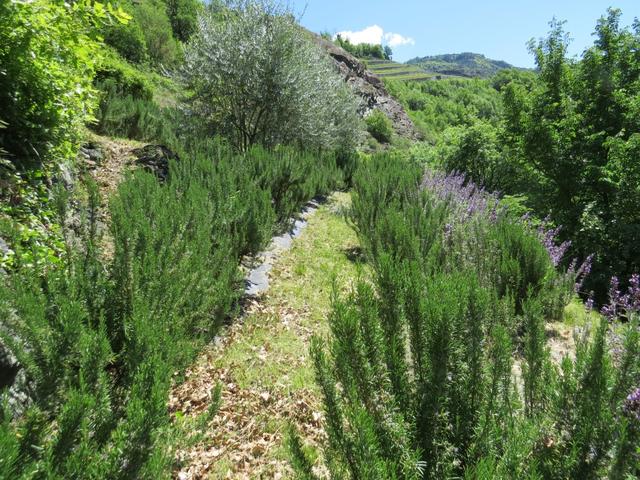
460 64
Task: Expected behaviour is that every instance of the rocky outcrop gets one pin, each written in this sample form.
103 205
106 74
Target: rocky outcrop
155 158
371 88
13 381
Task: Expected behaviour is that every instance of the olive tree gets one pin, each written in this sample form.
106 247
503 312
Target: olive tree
258 77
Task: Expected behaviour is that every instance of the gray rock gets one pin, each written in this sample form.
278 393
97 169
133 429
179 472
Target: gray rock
155 158
371 88
4 247
13 380
257 279
92 153
66 176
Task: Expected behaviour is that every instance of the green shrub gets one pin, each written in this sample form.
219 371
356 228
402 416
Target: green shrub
47 55
149 36
101 360
424 356
100 336
162 48
293 178
126 107
128 117
116 76
379 126
183 15
127 39
522 264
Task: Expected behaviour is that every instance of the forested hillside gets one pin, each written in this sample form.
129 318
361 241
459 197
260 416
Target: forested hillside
465 64
561 142
227 252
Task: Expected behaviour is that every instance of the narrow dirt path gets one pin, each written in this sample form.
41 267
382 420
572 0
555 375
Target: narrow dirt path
262 362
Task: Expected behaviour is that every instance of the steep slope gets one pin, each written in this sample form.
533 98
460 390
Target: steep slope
465 64
388 69
371 88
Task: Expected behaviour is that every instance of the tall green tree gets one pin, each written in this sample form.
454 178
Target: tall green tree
576 133
258 77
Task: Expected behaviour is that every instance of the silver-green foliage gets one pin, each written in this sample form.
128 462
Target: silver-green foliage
258 77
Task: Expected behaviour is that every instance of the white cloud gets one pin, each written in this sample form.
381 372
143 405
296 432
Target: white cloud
375 34
372 34
395 39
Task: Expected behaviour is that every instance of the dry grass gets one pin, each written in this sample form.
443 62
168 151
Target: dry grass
263 364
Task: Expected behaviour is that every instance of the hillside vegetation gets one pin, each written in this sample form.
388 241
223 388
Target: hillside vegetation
398 71
460 64
563 143
151 150
98 314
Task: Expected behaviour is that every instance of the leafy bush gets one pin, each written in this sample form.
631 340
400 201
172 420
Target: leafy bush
293 179
379 126
474 150
128 117
115 75
47 55
100 362
162 47
151 35
259 79
183 15
127 39
126 107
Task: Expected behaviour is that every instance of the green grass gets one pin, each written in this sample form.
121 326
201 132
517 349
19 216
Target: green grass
575 314
268 351
301 284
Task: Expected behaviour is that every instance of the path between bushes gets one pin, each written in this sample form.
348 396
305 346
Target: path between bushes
262 361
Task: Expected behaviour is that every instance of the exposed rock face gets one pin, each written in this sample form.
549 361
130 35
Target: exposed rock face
371 89
14 379
155 158
92 153
4 247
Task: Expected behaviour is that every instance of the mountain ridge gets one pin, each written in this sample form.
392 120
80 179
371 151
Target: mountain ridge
465 64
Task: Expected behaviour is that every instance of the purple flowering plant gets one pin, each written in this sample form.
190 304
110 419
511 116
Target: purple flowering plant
468 200
631 407
623 305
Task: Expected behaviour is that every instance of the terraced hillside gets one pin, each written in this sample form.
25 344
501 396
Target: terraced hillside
398 71
401 71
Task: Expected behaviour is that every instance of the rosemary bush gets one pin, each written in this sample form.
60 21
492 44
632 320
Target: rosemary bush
417 375
100 337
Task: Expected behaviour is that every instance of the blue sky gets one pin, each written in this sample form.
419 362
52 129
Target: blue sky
498 29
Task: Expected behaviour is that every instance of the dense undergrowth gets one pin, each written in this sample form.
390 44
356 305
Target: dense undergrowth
100 337
561 140
417 376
